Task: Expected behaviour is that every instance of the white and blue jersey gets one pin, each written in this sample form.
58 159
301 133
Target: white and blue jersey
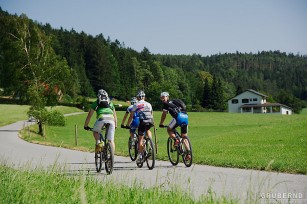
136 120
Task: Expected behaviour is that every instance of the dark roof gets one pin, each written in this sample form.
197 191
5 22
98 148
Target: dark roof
250 90
255 92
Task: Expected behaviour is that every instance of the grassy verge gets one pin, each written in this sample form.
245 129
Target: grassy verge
12 113
39 186
248 141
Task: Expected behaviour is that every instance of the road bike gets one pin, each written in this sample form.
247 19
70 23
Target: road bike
149 154
183 149
106 155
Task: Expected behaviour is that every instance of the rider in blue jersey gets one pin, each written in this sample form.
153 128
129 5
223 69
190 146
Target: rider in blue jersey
135 121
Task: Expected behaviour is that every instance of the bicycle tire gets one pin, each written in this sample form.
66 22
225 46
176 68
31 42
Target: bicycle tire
172 152
150 155
132 149
98 161
186 152
108 158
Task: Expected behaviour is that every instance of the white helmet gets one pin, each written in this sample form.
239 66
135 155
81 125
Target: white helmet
140 95
164 94
133 101
102 92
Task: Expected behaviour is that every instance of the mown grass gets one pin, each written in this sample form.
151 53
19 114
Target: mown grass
54 186
248 141
12 113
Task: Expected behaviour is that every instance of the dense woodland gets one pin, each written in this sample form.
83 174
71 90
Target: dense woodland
38 57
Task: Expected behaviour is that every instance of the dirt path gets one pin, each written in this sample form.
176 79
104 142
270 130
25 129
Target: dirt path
246 185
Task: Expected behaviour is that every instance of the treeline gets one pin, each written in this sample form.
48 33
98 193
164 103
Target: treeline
80 64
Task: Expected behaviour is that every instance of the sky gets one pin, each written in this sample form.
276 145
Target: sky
204 27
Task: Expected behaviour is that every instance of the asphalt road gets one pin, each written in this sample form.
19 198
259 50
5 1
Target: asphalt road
245 185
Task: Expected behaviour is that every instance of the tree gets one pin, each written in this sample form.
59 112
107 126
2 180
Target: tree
42 70
206 102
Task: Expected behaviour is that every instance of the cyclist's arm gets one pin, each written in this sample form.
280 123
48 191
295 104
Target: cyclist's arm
115 117
88 118
130 118
124 119
163 116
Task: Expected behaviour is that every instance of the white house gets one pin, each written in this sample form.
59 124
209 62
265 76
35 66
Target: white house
251 101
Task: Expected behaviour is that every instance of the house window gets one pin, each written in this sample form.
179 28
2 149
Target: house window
245 100
255 99
234 101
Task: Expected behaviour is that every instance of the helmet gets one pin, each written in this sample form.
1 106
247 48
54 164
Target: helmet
164 94
102 92
133 101
140 94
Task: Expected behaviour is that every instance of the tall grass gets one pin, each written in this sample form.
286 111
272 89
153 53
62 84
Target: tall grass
249 141
54 186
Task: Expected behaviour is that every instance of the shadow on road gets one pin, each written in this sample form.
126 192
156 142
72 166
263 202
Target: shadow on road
9 130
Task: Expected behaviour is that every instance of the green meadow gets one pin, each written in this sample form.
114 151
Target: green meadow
248 141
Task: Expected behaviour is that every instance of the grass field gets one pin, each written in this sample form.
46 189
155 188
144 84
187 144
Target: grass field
12 113
248 141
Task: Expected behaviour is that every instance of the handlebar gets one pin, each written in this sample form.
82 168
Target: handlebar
88 128
125 127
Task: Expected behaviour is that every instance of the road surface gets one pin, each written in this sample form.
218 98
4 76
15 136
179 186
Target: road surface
198 180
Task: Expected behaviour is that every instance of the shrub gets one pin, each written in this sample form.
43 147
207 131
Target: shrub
55 118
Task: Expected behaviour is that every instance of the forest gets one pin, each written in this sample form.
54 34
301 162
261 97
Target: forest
36 60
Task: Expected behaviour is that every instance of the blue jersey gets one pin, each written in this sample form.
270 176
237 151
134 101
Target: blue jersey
136 120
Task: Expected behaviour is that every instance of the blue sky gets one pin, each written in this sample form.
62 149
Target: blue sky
203 27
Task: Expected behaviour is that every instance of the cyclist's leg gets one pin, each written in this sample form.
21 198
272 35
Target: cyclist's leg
111 131
141 131
132 131
170 127
97 129
184 131
149 124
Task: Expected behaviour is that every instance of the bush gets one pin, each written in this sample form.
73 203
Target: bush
55 118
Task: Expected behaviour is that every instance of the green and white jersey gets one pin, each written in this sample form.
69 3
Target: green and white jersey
103 111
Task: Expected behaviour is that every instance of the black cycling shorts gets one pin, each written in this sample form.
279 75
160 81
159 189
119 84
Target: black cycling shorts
144 126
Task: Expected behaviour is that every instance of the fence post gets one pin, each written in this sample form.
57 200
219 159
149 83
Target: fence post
76 135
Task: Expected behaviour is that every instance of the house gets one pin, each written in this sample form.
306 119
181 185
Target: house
251 101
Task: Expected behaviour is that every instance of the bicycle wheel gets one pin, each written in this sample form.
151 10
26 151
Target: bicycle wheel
132 148
98 161
150 155
187 155
172 152
108 158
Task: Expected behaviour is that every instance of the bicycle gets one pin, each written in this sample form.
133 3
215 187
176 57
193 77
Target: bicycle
132 145
174 152
149 154
107 153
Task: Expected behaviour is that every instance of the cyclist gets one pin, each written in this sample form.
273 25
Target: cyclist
105 113
135 122
177 110
145 113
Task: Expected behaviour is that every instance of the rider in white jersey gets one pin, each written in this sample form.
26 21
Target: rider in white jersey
145 113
